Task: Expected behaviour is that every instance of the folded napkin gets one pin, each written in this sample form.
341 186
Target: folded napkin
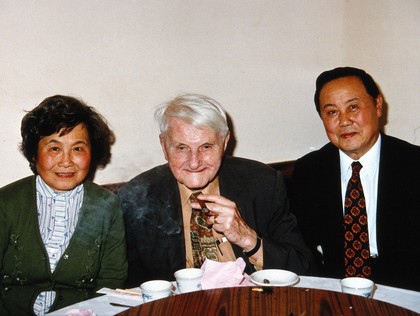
80 312
224 274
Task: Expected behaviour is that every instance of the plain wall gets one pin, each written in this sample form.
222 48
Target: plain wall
259 59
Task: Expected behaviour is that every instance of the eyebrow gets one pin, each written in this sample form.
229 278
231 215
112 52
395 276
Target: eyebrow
352 100
324 106
55 141
348 101
176 143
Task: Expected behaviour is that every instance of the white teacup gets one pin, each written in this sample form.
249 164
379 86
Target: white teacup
188 280
156 289
357 286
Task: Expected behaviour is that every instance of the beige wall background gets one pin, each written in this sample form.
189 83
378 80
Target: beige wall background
259 59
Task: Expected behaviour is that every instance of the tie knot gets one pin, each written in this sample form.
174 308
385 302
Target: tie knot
193 197
356 166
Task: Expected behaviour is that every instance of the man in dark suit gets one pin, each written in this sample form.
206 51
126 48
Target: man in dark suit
245 211
350 106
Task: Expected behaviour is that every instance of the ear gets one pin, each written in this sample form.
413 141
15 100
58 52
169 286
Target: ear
379 103
226 141
162 144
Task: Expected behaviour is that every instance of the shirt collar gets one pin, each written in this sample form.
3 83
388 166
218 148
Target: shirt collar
369 161
45 190
211 188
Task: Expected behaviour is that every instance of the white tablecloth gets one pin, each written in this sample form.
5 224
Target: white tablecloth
102 307
404 298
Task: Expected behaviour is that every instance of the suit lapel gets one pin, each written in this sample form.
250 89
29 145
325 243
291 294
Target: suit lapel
386 191
331 207
171 223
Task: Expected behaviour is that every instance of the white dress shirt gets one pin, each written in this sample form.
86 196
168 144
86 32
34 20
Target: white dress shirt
369 175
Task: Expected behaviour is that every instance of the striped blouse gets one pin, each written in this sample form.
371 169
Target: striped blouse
58 213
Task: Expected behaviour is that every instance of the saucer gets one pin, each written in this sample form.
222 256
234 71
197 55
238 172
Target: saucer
275 277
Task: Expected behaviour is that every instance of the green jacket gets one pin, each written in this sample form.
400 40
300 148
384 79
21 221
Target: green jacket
95 256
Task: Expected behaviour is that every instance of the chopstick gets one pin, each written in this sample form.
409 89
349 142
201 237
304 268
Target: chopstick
130 292
120 305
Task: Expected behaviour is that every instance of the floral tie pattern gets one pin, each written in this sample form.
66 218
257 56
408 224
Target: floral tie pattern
356 238
203 241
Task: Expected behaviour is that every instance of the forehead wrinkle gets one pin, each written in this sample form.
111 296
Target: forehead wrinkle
191 136
345 102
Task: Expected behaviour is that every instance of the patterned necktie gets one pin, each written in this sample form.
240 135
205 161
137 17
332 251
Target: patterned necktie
202 240
356 239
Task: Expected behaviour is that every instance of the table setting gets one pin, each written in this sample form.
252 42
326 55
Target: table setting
227 275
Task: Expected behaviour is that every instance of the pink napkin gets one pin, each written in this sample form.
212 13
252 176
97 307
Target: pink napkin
80 312
224 274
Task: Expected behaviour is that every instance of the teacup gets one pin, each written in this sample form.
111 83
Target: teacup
357 286
188 280
156 289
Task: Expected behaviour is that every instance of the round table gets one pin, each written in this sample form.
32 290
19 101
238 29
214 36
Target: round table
288 301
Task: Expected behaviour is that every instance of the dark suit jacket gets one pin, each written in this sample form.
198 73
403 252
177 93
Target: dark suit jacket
153 216
316 201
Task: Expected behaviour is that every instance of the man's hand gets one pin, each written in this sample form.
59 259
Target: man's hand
226 219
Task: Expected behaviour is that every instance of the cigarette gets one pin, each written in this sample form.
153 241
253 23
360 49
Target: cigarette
193 199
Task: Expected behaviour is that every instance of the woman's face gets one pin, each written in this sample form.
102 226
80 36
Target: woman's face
63 162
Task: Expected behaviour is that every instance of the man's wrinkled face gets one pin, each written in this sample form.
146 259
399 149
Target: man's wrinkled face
350 115
194 155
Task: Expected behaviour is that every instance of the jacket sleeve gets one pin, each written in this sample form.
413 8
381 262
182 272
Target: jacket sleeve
283 245
113 270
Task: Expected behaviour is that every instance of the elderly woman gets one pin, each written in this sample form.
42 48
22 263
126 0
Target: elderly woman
61 236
